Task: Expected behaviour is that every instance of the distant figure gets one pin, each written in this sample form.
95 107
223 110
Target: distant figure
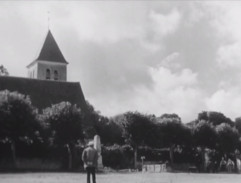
222 165
210 166
230 165
89 157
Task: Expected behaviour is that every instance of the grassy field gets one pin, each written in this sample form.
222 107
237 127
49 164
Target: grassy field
119 178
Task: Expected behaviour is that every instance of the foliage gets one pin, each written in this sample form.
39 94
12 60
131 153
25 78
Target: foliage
228 138
172 133
153 154
65 123
18 122
117 156
94 123
3 71
171 130
204 134
214 118
90 121
136 128
171 117
109 131
18 118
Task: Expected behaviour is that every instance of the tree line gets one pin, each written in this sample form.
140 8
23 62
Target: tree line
26 131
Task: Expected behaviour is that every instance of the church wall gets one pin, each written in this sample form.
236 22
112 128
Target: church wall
32 71
61 69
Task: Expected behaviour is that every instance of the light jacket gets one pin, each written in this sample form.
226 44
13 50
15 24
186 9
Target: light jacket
90 157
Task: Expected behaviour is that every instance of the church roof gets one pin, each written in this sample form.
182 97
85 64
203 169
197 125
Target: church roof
44 93
50 51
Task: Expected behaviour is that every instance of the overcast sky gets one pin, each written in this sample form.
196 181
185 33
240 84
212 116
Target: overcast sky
155 57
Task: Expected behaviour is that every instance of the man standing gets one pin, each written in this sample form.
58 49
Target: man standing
90 157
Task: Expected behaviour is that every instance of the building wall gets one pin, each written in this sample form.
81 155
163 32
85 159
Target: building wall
32 71
60 68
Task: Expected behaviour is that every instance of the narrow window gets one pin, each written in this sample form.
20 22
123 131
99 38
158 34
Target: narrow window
47 74
56 77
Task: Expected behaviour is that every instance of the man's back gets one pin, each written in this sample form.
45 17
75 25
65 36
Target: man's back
89 157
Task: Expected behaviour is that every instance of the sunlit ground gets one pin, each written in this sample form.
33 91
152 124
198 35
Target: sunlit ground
120 178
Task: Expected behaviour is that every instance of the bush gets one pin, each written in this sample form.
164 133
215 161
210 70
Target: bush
153 155
117 157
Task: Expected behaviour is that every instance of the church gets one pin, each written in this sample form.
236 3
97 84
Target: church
47 83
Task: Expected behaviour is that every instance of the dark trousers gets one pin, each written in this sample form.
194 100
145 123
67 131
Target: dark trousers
90 170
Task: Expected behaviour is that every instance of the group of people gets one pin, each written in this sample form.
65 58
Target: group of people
222 166
226 165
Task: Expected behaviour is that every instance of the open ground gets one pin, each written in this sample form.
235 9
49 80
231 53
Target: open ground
120 178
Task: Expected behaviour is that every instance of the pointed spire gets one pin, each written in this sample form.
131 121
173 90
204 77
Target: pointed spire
50 50
48 19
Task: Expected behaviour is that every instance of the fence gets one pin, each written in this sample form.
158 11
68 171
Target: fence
154 168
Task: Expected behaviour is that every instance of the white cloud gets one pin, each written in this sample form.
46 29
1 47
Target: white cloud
227 101
225 19
112 22
165 24
167 80
169 93
230 55
108 22
196 12
171 61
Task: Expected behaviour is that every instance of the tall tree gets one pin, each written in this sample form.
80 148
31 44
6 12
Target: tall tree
18 119
91 120
228 138
172 132
109 131
136 130
204 136
65 122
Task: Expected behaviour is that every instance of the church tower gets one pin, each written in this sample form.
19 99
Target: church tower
50 64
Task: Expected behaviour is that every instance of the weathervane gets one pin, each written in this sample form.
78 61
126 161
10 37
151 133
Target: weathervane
48 19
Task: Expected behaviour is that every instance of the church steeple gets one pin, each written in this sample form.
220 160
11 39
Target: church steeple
50 64
50 50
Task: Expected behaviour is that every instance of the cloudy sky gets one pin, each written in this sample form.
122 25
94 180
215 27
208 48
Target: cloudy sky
155 57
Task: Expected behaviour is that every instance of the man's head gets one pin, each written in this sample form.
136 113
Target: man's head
90 144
